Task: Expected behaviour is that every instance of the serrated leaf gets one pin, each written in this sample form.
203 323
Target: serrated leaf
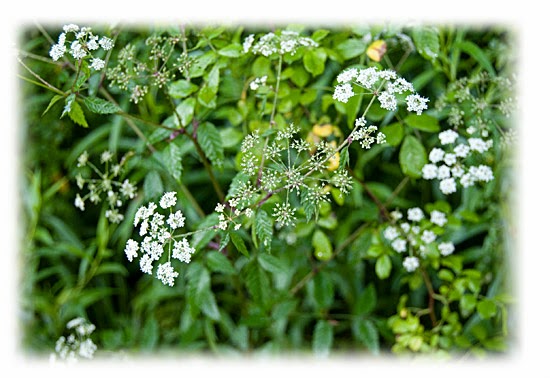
256 282
238 242
314 61
100 106
185 111
207 304
308 204
263 226
152 185
271 264
426 40
208 93
83 76
412 157
365 332
181 89
77 115
217 262
366 301
52 103
323 290
423 122
383 267
322 338
171 158
344 158
211 142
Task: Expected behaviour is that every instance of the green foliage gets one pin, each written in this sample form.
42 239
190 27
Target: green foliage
332 281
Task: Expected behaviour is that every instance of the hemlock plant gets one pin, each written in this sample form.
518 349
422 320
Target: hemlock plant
301 189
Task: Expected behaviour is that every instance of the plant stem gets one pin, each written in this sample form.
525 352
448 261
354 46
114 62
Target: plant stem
431 295
48 85
271 118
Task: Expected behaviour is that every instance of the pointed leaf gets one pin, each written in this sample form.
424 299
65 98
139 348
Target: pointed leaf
239 243
210 141
100 106
322 338
412 157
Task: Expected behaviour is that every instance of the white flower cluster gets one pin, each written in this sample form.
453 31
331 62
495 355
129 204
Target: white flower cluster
453 165
77 344
159 232
416 236
285 42
258 82
227 219
364 134
105 184
373 80
81 45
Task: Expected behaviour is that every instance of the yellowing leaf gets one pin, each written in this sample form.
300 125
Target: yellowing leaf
334 162
376 50
323 130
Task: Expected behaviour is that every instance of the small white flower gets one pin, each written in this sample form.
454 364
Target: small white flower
436 155
467 180
416 103
87 349
146 264
448 136
97 64
387 101
106 43
396 215
415 214
411 263
447 186
446 248
428 236
443 172
248 212
166 274
391 233
438 218
482 173
429 171
79 202
399 245
449 159
405 226
343 92
360 122
457 171
183 251
347 75
127 189
168 200
106 156
82 159
367 77
462 150
248 43
131 249
176 220
479 145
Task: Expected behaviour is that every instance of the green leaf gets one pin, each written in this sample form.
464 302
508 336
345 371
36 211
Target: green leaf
322 338
181 89
152 185
423 122
77 115
171 157
323 290
239 243
351 48
412 157
366 301
233 50
467 304
256 282
210 141
271 264
185 111
52 102
207 304
263 227
217 262
426 40
394 133
365 332
208 93
321 244
314 61
83 76
344 158
477 53
100 106
308 204
149 334
383 267
486 308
